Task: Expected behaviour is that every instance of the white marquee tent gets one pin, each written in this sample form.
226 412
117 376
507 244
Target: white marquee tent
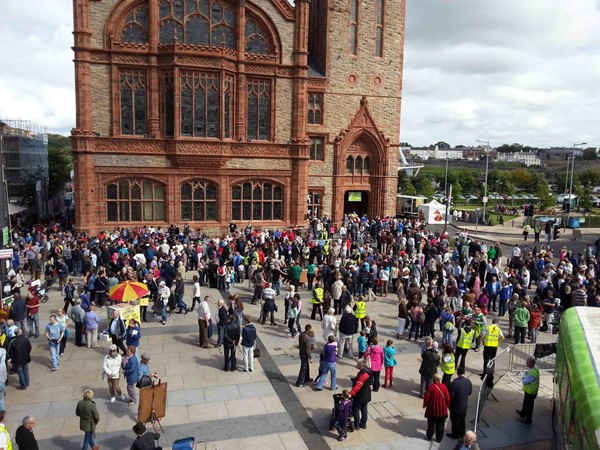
433 212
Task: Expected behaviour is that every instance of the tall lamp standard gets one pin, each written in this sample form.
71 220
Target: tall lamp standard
446 195
485 183
571 183
4 212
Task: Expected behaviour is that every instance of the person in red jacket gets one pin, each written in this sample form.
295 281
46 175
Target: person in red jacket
535 319
436 404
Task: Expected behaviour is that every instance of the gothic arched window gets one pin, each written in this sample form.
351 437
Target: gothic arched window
257 38
257 201
200 104
199 201
259 110
197 22
132 84
135 200
135 29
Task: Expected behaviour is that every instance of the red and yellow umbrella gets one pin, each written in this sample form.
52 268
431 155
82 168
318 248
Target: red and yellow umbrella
128 291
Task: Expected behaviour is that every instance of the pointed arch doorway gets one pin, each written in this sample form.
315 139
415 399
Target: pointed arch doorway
361 168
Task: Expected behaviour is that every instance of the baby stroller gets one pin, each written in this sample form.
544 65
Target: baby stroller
337 398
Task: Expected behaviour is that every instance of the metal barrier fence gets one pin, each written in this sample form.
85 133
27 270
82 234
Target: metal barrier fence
495 370
510 361
520 353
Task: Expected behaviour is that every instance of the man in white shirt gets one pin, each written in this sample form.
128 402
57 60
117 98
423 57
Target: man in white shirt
164 293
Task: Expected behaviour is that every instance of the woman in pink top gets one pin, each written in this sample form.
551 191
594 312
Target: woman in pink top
375 355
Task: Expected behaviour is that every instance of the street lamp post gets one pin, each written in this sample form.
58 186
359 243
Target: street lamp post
485 183
447 196
5 213
571 183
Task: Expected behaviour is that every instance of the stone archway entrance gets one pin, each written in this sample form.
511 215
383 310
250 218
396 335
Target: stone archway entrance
362 166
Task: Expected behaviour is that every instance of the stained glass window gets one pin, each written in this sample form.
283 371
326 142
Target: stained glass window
135 200
228 107
133 102
257 201
135 30
315 108
200 104
197 22
168 103
198 201
259 110
257 39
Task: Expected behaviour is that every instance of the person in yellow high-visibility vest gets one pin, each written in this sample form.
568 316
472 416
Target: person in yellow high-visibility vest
360 311
531 386
317 302
463 343
5 443
492 336
447 364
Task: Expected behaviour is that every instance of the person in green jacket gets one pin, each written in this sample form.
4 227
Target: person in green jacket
88 419
521 322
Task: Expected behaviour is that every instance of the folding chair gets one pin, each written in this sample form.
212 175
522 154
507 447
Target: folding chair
184 444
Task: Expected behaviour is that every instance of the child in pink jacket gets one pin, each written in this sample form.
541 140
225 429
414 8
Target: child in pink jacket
375 355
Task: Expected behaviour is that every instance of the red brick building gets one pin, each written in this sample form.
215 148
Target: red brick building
207 111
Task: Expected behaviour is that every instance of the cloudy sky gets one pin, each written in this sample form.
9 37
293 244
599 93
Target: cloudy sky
524 71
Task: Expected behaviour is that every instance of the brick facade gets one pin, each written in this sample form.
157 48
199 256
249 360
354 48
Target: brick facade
360 110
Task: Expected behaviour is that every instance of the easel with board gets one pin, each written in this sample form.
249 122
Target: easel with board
153 405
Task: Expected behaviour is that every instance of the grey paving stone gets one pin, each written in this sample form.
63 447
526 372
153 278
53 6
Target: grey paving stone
216 430
258 389
185 397
221 393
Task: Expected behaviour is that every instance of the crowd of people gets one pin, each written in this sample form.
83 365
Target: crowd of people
454 286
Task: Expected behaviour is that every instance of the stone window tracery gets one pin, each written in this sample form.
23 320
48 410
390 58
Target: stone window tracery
259 110
167 91
135 29
135 200
257 38
257 201
132 84
199 201
197 22
200 104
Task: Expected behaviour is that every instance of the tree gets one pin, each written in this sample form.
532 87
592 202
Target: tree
60 162
423 186
403 181
590 154
585 196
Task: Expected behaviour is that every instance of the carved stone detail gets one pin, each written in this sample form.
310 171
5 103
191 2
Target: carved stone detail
287 10
100 57
129 59
272 151
264 70
129 146
317 84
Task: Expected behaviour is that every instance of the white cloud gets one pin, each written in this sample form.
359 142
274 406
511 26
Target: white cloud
523 71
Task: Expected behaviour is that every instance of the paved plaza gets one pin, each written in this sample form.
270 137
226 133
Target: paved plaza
259 409
251 410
